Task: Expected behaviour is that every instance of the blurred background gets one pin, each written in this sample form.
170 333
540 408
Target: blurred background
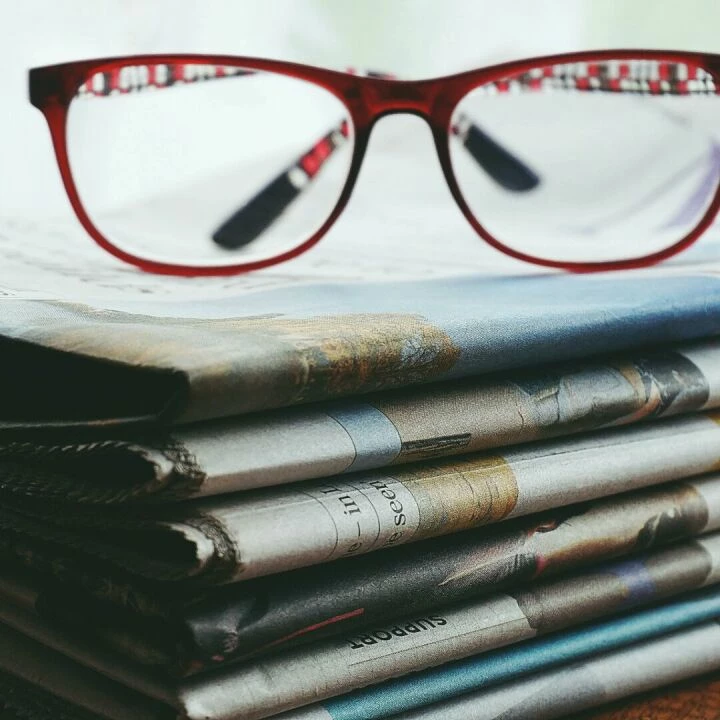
413 38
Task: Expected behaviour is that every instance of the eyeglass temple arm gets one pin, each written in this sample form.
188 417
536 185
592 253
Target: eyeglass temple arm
265 207
506 169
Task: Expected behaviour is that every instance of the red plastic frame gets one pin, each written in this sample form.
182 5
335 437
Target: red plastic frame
367 99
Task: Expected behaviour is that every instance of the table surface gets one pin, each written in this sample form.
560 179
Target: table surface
697 699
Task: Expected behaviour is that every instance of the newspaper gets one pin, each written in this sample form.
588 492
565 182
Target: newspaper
74 692
153 357
320 440
237 537
593 682
332 667
40 684
186 633
114 371
449 681
282 682
21 699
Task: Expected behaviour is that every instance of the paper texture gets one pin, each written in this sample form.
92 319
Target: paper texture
333 667
237 537
366 433
189 632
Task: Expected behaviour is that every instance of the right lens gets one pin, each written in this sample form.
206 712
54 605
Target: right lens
590 162
207 165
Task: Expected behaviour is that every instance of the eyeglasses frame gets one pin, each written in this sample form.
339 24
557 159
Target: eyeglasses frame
367 99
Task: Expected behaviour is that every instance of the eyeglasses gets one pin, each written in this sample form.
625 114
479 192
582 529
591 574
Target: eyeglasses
214 165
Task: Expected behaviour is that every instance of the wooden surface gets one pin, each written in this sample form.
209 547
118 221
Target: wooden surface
697 699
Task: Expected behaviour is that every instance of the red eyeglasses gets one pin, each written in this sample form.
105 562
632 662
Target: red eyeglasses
591 161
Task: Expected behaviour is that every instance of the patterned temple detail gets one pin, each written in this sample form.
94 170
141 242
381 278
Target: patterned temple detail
132 78
651 77
309 164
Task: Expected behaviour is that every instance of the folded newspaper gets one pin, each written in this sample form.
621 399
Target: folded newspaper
586 684
395 427
244 535
188 632
421 691
190 489
184 362
647 658
288 680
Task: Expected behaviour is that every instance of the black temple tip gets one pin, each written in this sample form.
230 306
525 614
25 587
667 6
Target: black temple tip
502 166
252 219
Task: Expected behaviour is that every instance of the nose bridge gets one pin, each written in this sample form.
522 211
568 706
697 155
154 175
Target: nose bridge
385 97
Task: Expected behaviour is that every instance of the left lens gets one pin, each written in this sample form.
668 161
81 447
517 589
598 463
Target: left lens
206 164
590 162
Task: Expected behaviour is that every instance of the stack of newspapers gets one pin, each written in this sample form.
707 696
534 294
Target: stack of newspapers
457 498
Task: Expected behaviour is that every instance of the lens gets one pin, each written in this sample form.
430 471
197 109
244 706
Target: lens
590 162
207 164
